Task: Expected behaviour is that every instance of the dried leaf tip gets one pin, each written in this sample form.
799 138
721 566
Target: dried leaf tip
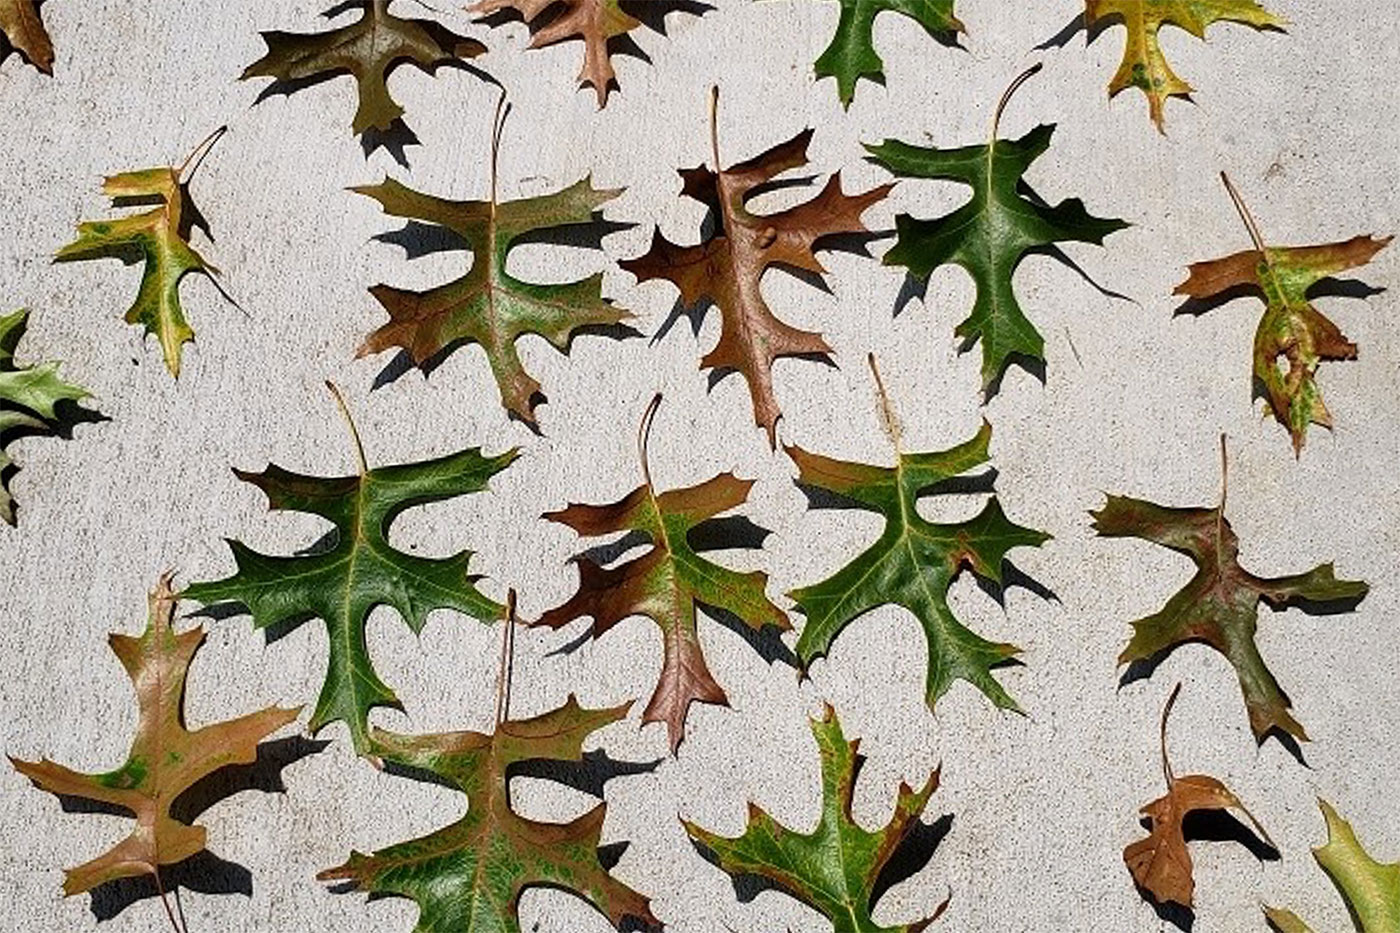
196 157
1245 215
504 680
644 438
714 126
888 419
1011 90
1166 715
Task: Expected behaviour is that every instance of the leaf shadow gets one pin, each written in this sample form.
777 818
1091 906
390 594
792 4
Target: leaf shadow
1077 24
204 872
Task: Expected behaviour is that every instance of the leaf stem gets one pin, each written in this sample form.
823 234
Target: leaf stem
1166 714
165 902
1224 471
503 682
714 127
498 126
1010 91
350 421
1245 215
644 437
887 415
196 158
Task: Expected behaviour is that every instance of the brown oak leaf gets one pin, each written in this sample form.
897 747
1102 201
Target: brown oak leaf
21 29
728 268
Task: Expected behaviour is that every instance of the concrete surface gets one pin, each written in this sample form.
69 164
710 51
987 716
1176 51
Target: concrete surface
1134 403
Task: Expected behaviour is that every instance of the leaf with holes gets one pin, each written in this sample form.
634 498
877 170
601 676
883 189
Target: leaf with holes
22 30
1161 863
728 267
161 239
165 759
367 49
851 54
914 562
1144 64
1219 606
1371 889
1293 337
488 305
29 398
355 568
666 583
988 236
596 22
840 869
468 877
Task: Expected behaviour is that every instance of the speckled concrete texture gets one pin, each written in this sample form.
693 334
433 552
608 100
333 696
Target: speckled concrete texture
1133 402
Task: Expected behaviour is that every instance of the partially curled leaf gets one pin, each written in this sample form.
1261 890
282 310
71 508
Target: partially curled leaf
1161 863
355 569
488 305
159 238
728 268
1293 337
1219 606
21 29
468 877
165 759
1371 889
1144 64
367 49
29 398
837 868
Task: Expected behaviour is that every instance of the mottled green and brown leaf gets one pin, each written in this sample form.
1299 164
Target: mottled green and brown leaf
837 868
1144 64
165 758
468 877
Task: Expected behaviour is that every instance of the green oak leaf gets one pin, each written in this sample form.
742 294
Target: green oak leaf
468 877
851 54
1371 890
368 49
837 867
160 238
988 236
914 561
1219 606
1144 64
488 305
29 396
356 569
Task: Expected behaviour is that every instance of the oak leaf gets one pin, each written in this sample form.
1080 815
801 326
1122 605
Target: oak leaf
355 568
368 49
1219 606
666 583
1371 889
29 397
1293 337
728 268
840 868
21 29
1161 863
1144 65
160 238
488 305
915 561
595 22
851 54
989 235
468 877
165 758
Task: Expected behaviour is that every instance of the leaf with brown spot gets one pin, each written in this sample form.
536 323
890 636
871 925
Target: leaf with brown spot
666 583
1161 863
1293 337
728 268
165 759
21 29
1219 606
368 49
595 22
